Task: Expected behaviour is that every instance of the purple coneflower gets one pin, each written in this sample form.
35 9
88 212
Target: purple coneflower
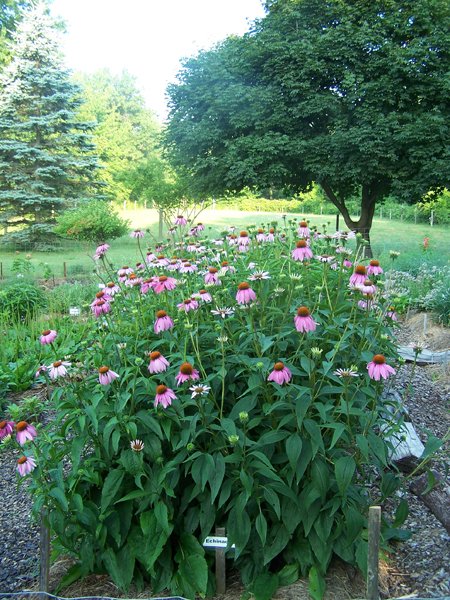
101 250
188 267
359 275
133 280
261 235
124 271
137 233
25 465
163 284
204 295
158 364
180 220
368 288
270 237
48 336
186 373
25 432
163 321
392 314
280 374
58 369
188 304
150 257
245 294
301 251
211 277
6 428
137 445
303 229
374 268
199 390
106 376
378 368
303 320
164 396
225 267
200 227
100 307
111 288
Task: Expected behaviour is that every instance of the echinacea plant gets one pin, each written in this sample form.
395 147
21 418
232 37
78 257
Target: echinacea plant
277 430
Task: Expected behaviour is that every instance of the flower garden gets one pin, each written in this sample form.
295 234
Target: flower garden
232 382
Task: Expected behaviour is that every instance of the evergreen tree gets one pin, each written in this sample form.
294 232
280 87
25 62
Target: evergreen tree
47 160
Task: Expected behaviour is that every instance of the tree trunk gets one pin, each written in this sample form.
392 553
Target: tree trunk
364 223
160 224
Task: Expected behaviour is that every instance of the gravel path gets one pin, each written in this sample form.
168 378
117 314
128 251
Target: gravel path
420 565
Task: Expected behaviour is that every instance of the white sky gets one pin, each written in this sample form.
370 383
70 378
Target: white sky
148 37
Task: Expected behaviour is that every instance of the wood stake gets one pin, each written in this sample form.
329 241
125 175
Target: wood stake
220 564
65 270
44 553
372 552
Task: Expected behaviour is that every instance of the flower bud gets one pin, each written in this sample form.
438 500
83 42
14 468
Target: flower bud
190 447
138 361
233 439
243 417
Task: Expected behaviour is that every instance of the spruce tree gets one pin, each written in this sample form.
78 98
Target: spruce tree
47 159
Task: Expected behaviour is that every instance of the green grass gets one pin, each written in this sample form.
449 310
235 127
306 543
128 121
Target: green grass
386 235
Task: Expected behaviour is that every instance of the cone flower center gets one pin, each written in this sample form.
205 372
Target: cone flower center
161 257
161 389
379 359
187 301
224 264
271 230
303 311
103 370
186 368
260 230
155 355
301 244
374 263
360 269
21 425
58 363
99 294
163 278
213 270
279 366
243 234
111 284
125 267
243 286
303 224
46 332
2 424
203 292
161 314
22 460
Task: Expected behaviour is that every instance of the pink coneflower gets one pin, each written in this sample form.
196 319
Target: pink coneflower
162 261
211 277
280 374
374 268
368 304
158 364
392 314
140 266
188 304
368 288
187 373
303 230
111 288
180 220
48 336
347 263
101 250
164 396
325 258
359 275
133 280
25 465
232 239
58 369
204 295
200 227
245 294
124 271
25 432
244 240
270 237
174 265
259 276
303 320
163 322
137 233
261 236
106 376
100 307
163 284
6 428
301 251
147 284
378 368
225 267
42 369
188 267
137 445
150 257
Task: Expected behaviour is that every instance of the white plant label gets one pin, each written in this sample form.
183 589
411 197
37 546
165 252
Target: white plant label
216 542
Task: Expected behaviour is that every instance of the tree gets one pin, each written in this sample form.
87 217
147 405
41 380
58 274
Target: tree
11 12
352 94
47 160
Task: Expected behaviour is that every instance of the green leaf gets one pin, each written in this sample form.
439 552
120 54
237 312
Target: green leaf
265 586
261 527
272 500
293 449
216 479
317 585
401 514
194 571
344 469
288 575
60 497
432 445
277 542
110 488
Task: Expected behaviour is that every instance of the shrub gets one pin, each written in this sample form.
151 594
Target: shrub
269 427
21 302
92 222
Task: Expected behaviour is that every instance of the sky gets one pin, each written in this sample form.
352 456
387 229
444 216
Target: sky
148 37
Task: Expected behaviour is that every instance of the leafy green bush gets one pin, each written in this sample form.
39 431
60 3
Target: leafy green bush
62 297
92 222
21 302
136 472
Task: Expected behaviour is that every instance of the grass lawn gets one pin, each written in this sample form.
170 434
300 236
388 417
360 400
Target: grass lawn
386 235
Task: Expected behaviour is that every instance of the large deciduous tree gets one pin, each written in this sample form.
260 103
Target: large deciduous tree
352 94
47 160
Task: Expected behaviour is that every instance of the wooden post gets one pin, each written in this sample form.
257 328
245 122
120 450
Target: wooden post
432 218
44 554
390 215
220 564
337 221
372 552
65 269
1 270
160 225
